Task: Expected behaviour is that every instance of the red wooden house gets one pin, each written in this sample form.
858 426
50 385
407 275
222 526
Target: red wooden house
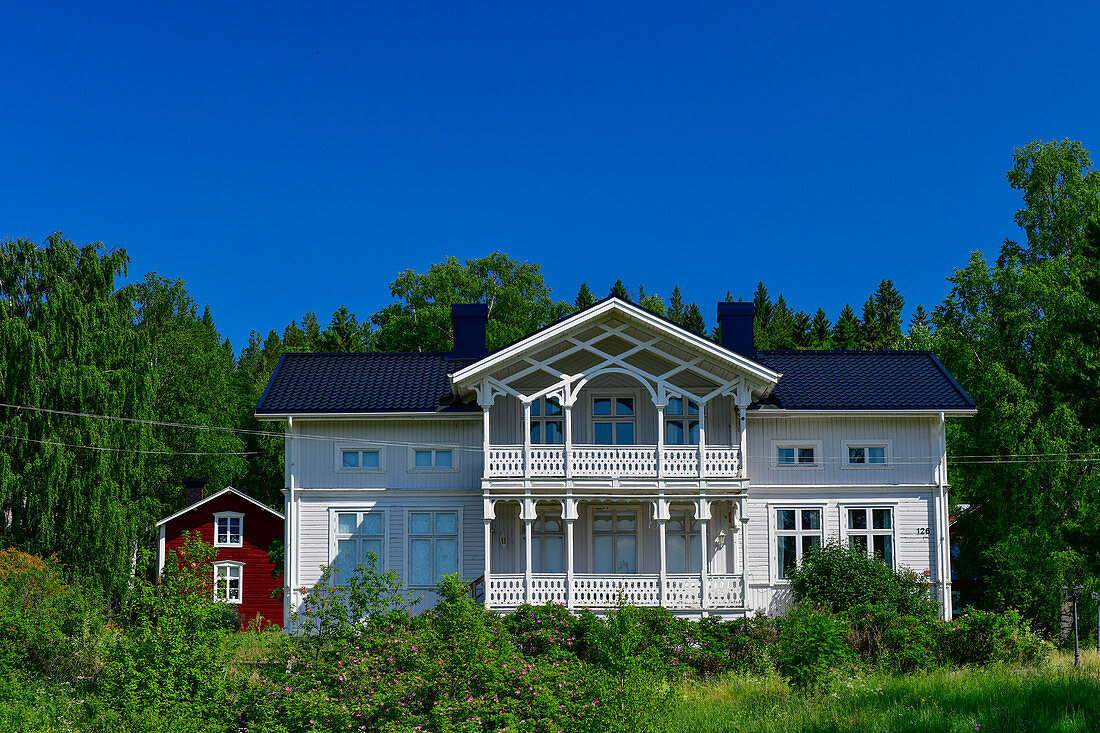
242 529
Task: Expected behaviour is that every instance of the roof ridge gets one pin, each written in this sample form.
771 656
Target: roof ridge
925 352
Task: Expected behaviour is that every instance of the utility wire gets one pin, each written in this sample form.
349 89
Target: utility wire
112 449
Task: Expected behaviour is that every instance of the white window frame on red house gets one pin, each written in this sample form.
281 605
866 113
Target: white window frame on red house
229 565
229 516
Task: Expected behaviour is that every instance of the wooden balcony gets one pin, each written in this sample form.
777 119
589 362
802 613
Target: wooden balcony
680 591
613 462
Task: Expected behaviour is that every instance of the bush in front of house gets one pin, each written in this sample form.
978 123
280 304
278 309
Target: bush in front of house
842 578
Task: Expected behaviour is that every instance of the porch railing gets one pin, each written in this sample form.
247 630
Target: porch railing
508 590
636 461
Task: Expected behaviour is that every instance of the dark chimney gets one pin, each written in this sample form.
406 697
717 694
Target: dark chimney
735 323
194 488
468 321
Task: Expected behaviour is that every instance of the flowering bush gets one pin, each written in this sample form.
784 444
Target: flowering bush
980 637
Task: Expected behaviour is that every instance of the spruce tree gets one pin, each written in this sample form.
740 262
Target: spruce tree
584 298
619 290
676 307
819 331
694 321
846 332
761 323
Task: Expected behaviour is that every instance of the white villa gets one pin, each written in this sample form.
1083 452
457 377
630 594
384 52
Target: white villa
613 453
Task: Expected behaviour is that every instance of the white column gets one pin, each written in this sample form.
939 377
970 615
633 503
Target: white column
569 508
744 557
526 439
289 551
485 441
661 446
662 552
567 450
488 558
702 436
703 549
527 555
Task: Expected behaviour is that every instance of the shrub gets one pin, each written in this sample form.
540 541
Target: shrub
368 600
980 637
547 630
170 662
812 648
47 626
842 578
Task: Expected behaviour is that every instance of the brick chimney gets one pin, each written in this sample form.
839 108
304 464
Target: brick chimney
468 321
735 323
195 489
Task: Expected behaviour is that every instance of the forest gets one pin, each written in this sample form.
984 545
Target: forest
111 394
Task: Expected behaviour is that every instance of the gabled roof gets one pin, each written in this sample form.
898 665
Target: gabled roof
862 380
226 490
622 308
362 383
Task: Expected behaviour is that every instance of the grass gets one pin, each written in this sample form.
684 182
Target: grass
1056 697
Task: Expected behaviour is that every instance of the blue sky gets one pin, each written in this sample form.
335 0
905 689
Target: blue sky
282 158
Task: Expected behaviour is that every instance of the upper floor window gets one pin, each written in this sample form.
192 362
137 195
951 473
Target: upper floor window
359 459
357 535
613 420
547 422
866 454
872 530
228 529
229 582
681 425
797 532
797 455
432 459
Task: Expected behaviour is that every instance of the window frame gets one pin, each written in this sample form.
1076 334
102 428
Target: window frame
239 516
690 556
684 418
892 533
798 532
335 536
434 468
538 549
543 418
888 455
409 537
361 449
228 564
613 533
614 419
816 445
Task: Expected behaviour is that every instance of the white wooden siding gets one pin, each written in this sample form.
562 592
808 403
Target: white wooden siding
915 456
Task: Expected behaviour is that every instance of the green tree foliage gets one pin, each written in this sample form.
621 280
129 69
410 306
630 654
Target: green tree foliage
345 333
619 290
584 298
882 317
762 319
820 335
676 310
518 298
694 321
846 334
67 342
1022 336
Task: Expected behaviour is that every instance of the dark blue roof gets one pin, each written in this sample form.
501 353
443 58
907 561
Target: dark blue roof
862 380
419 382
365 382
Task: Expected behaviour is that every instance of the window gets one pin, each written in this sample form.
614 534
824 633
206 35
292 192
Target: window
797 532
433 546
797 455
228 582
614 541
228 529
683 541
681 428
613 420
866 455
872 530
432 459
357 533
548 543
359 459
547 422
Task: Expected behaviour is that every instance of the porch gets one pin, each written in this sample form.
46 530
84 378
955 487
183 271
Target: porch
683 553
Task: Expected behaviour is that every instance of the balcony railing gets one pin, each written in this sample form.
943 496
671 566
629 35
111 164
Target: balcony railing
681 591
606 461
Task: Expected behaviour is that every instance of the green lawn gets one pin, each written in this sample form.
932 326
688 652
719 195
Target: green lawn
1054 698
